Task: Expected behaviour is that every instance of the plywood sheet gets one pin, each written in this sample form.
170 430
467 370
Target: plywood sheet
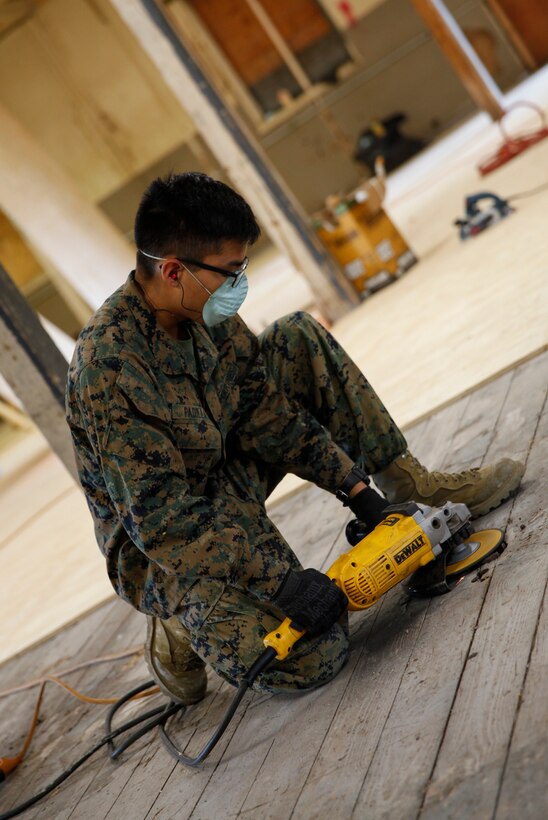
52 570
76 79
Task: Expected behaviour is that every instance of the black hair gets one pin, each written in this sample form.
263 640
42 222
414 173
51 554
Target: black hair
189 215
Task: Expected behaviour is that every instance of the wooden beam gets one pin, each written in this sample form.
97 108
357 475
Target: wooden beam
239 154
513 34
458 50
280 44
35 369
68 232
12 415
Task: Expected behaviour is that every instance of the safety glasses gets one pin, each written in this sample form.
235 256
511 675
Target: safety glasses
235 275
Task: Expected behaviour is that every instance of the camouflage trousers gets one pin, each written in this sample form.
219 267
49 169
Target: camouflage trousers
226 626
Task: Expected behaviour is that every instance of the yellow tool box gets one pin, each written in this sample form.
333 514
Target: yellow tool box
363 239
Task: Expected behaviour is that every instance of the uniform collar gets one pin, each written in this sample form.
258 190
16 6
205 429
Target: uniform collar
196 355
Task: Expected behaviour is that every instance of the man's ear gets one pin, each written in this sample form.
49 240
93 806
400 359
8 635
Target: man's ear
170 271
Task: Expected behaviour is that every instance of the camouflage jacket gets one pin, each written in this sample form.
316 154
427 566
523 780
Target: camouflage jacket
153 420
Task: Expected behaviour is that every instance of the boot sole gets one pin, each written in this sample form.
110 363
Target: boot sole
494 502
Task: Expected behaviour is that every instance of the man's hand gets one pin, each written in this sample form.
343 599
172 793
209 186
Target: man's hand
312 600
368 506
365 503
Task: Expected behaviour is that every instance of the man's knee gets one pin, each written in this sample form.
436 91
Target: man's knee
317 663
229 637
288 326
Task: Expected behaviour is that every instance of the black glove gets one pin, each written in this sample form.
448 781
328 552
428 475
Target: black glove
368 506
312 600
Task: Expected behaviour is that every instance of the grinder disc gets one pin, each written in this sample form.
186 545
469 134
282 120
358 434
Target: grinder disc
470 553
444 573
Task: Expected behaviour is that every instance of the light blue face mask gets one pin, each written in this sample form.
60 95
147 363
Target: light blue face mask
223 302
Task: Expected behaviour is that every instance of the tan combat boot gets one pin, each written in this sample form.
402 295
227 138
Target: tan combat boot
480 489
172 662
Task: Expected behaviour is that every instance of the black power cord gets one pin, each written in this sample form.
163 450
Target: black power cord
264 660
155 718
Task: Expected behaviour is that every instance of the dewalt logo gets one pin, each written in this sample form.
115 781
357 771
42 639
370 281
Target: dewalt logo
409 549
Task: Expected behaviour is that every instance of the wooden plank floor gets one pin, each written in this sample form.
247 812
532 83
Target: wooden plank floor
441 711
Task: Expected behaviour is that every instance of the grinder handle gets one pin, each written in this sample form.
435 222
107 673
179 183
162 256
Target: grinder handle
282 639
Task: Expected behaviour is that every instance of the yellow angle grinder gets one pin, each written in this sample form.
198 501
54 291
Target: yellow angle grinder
430 549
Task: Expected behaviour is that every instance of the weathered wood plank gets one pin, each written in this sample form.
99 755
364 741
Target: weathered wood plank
525 773
521 411
311 524
244 751
337 795
432 438
62 724
483 714
86 722
293 751
56 653
324 517
155 767
303 723
477 425
311 730
256 743
112 791
353 735
428 688
332 751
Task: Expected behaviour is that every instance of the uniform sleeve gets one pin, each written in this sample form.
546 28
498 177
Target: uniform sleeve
284 434
144 473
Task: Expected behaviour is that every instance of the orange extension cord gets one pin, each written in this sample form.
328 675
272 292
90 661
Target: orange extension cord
8 764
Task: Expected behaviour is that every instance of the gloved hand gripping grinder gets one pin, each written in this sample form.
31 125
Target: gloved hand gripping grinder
433 546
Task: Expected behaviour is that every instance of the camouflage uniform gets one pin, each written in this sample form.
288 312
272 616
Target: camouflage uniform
178 444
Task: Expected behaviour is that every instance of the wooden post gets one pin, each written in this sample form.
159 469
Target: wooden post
475 77
513 34
280 44
69 233
35 369
240 156
12 415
